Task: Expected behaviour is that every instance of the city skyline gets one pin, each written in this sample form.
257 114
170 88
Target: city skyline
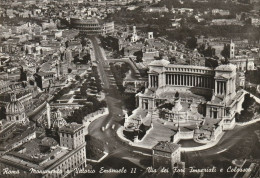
130 88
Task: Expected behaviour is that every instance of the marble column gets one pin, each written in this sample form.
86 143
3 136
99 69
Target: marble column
219 87
216 86
150 84
155 80
152 81
225 87
228 91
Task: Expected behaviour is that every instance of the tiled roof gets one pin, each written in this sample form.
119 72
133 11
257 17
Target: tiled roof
166 147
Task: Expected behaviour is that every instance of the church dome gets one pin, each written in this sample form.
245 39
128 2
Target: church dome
59 121
15 106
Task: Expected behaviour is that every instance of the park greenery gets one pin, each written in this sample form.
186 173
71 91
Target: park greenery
251 76
92 104
250 109
63 91
201 6
82 60
253 82
109 43
160 23
119 72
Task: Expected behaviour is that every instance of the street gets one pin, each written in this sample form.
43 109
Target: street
122 155
119 152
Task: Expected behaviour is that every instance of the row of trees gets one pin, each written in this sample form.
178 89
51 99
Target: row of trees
91 83
63 91
119 72
93 104
88 108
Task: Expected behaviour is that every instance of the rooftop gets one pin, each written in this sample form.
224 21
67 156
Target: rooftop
162 62
14 133
227 67
166 146
71 128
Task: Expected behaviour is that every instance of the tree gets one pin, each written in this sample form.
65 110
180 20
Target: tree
2 113
247 102
77 77
139 56
83 89
191 43
211 63
226 51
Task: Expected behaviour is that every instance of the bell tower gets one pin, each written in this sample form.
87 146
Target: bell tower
232 49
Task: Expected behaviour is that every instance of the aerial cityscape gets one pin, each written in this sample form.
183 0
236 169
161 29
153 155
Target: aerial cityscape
130 88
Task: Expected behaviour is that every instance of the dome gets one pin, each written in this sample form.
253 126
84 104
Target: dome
58 120
15 106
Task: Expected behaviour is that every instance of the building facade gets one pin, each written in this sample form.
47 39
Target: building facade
86 26
92 26
212 92
60 161
166 154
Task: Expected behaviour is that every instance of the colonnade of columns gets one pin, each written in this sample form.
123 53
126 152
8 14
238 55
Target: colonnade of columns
220 87
189 80
153 81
